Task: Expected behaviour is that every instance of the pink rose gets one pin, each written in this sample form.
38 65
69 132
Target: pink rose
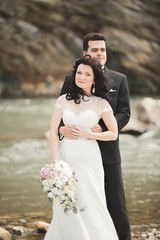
45 172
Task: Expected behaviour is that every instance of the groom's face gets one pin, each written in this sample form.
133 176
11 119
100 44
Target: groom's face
97 51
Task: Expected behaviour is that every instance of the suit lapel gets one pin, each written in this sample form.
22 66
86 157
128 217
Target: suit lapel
108 77
112 88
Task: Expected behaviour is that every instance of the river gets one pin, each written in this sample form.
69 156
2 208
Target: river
24 150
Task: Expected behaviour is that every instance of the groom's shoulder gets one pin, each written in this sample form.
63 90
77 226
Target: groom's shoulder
69 76
115 75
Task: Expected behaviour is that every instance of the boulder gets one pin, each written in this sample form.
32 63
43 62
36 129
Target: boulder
148 111
2 223
47 134
4 234
23 221
42 226
18 230
135 127
21 231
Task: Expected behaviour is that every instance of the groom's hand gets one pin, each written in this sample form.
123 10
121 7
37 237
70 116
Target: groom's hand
96 129
83 132
68 131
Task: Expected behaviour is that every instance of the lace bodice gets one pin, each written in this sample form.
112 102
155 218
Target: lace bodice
85 114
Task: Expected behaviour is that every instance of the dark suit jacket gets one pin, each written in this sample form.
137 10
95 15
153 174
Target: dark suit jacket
119 101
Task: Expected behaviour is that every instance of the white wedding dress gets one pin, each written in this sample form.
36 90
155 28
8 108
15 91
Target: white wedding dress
84 155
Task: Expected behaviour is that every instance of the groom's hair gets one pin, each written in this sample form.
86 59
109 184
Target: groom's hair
100 80
92 36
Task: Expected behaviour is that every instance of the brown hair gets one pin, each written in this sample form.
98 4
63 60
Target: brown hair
101 82
92 36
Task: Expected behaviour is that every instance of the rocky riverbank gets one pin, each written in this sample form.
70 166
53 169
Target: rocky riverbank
32 227
148 115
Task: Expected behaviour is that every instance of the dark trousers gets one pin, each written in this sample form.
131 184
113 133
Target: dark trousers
116 202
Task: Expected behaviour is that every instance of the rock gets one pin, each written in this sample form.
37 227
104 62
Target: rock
27 27
152 132
23 221
9 227
22 231
2 223
47 134
42 226
18 230
4 235
149 111
151 234
32 49
135 127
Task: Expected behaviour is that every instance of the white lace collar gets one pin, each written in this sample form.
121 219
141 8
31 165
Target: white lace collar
86 99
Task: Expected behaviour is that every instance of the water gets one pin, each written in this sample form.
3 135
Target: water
24 150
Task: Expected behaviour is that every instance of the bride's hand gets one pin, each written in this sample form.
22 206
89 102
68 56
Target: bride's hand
82 132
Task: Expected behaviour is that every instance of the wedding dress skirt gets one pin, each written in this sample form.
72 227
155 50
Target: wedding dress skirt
94 223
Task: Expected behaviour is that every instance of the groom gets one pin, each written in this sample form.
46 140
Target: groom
94 45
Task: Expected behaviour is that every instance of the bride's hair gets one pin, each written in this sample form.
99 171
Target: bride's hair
101 81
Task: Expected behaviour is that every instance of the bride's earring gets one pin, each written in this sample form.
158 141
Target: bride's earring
93 88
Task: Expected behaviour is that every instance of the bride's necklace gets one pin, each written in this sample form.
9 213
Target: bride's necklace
86 99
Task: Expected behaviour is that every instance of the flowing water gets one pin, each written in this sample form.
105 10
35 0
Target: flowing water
24 150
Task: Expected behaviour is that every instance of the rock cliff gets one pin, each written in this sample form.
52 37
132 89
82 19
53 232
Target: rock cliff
40 40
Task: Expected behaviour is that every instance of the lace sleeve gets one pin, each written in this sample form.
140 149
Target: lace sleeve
104 106
107 109
59 104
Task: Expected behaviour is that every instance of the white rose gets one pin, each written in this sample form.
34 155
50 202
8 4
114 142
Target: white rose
63 163
66 189
46 189
54 190
45 182
64 179
50 195
59 183
62 197
52 181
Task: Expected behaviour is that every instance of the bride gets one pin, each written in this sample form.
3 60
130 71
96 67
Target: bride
83 106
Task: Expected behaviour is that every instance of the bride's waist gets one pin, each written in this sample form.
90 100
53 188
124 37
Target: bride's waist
78 141
74 147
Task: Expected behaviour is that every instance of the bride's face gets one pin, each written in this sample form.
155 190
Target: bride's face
84 77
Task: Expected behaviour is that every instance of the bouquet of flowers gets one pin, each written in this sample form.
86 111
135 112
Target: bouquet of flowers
59 181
